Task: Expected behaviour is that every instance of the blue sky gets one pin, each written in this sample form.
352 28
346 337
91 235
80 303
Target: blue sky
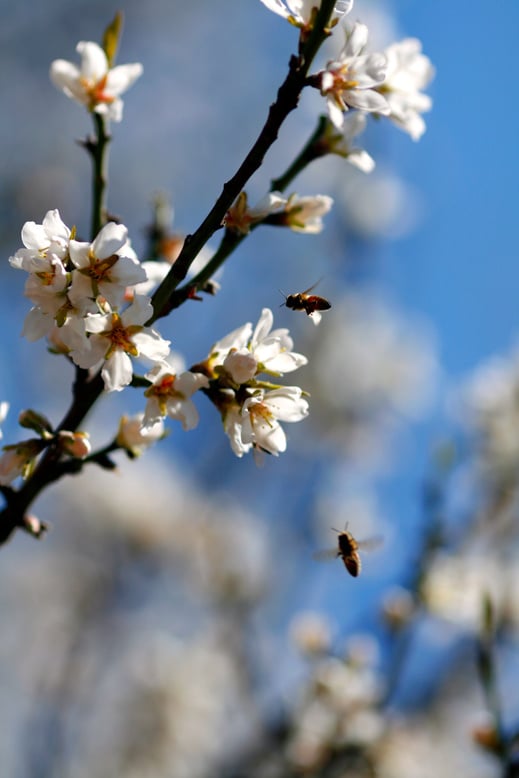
460 267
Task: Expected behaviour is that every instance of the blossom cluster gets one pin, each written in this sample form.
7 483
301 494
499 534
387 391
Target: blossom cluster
252 407
387 83
78 289
79 292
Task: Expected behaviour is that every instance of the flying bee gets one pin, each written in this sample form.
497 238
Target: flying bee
348 550
311 304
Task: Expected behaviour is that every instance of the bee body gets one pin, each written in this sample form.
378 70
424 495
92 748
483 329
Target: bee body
309 303
348 552
347 549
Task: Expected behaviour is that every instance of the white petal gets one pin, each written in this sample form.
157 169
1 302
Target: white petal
263 327
94 354
79 253
55 227
286 362
94 64
271 437
356 41
186 413
151 345
152 413
37 324
138 312
272 202
335 113
354 124
113 111
370 70
188 383
278 8
65 75
117 371
97 323
34 236
109 240
361 159
238 338
343 7
367 100
122 77
287 404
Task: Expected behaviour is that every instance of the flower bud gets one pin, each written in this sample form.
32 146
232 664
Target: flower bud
241 365
75 444
135 438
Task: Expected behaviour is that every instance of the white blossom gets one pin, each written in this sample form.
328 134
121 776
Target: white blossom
408 72
240 217
246 353
350 80
134 437
115 338
94 84
232 424
105 267
41 240
301 214
304 214
261 413
170 395
300 12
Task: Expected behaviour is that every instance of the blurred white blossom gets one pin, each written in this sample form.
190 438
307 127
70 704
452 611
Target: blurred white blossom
341 142
370 371
300 12
408 72
94 84
381 205
4 409
136 438
311 632
488 405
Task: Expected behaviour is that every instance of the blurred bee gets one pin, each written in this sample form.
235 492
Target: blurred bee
312 304
348 550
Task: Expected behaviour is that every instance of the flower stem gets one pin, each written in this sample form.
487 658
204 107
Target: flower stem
99 150
313 149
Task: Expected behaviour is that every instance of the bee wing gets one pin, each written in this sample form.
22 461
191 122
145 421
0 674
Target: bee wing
370 544
325 554
313 286
315 317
